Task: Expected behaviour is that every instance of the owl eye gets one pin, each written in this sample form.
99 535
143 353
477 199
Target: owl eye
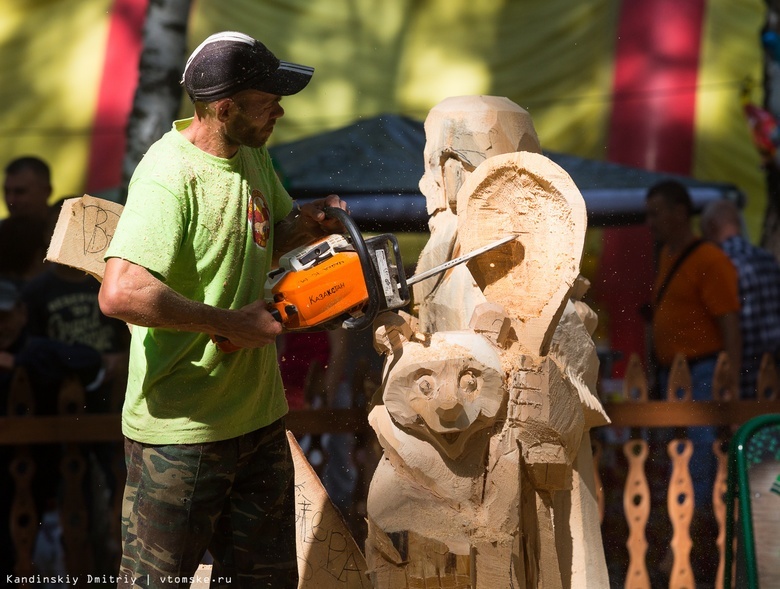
426 385
469 382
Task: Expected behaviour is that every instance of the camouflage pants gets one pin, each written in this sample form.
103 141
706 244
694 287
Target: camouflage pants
234 498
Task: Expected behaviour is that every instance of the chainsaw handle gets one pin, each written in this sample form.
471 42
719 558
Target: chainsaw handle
372 308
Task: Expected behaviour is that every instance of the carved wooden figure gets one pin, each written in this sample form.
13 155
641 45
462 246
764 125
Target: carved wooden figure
447 391
488 395
461 133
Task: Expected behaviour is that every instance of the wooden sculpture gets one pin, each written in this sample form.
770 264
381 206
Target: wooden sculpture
488 392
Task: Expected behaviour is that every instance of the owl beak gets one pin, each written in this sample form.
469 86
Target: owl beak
449 409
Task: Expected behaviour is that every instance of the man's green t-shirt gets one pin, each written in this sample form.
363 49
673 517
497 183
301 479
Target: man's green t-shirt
204 226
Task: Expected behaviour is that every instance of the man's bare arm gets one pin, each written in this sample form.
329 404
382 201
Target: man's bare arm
131 293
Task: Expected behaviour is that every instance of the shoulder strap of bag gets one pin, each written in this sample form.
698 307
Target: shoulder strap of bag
677 263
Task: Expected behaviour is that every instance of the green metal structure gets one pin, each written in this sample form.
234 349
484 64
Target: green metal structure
755 441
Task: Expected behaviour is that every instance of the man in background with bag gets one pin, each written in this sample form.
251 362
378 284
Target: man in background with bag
695 311
695 300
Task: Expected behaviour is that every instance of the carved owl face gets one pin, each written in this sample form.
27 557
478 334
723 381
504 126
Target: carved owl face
446 391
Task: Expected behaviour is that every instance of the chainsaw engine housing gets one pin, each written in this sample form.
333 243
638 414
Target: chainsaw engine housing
325 285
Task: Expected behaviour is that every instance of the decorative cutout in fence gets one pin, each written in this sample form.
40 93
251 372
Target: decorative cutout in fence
636 413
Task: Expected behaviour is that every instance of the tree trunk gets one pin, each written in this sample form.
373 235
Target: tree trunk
158 95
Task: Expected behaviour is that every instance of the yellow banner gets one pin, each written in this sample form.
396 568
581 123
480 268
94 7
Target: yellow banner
554 58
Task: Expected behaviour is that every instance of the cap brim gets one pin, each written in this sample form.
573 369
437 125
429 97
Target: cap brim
289 78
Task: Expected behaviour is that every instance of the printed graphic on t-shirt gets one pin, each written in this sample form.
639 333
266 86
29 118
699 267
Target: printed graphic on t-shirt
74 318
259 218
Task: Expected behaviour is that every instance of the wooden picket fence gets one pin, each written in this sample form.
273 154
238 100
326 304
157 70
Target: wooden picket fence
635 417
77 434
620 452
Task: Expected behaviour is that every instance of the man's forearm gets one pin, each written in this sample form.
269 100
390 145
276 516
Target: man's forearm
132 294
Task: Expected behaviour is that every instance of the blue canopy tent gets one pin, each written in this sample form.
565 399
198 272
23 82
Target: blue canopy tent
376 165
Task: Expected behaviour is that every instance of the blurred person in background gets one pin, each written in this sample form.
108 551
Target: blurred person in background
695 312
695 302
759 289
23 244
25 234
27 188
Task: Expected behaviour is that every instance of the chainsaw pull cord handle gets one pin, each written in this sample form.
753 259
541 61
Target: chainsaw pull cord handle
372 309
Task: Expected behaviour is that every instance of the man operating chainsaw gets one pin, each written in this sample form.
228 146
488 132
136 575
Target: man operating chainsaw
209 466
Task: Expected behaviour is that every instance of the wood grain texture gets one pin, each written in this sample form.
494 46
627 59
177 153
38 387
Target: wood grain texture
679 387
83 232
635 385
328 557
636 505
724 383
512 485
528 195
680 503
719 505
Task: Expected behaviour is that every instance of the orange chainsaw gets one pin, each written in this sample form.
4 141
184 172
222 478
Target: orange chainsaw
345 280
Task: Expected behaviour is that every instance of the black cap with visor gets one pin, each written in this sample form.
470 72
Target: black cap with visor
229 62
